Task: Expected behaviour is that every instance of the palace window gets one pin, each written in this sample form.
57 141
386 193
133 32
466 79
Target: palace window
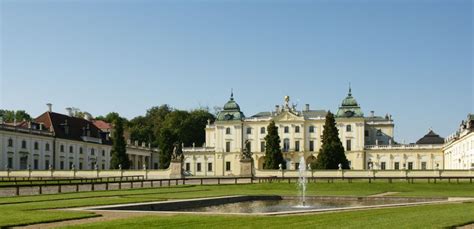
348 145
349 128
80 150
209 167
249 145
297 166
366 133
262 130
227 130
23 144
188 167
36 146
10 142
71 149
198 165
311 146
71 164
103 153
46 164
46 147
262 146
382 165
311 129
80 165
10 163
61 165
227 147
92 151
249 130
410 165
297 146
35 164
396 165
61 148
423 165
297 129
227 166
286 145
286 129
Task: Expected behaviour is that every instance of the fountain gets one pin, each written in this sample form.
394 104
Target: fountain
302 182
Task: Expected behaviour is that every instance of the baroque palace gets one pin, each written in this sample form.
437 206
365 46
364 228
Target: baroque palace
64 142
368 140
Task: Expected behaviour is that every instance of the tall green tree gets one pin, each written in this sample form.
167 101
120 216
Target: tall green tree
119 147
332 152
273 155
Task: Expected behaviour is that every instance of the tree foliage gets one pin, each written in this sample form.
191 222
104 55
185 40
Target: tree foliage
273 154
332 152
119 147
11 115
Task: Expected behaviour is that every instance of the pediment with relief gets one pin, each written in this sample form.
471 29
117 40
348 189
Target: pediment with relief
288 116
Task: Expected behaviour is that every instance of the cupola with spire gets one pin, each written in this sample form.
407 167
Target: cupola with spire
231 111
349 107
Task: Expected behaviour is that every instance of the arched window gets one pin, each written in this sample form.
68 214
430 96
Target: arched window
23 144
349 128
297 129
10 142
227 130
262 130
311 129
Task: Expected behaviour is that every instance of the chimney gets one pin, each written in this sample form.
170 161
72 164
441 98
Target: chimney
372 113
69 111
50 107
277 108
306 107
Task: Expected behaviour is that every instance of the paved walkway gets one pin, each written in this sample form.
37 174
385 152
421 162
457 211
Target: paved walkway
384 194
104 216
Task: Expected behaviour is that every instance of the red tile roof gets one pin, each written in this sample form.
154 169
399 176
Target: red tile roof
102 124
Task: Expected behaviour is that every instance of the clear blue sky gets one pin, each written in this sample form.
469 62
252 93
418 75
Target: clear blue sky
412 59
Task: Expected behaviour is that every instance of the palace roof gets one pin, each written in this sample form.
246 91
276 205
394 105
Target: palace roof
431 138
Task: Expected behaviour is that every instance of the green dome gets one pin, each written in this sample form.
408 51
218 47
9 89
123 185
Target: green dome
231 111
349 107
231 105
349 101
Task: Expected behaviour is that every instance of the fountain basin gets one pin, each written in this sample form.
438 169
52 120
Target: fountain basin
267 205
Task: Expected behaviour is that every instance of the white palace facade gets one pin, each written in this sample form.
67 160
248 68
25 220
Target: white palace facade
64 142
368 140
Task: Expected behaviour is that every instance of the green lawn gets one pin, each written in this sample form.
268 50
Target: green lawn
33 209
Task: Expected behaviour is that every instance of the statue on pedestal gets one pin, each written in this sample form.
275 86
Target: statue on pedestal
177 154
246 153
